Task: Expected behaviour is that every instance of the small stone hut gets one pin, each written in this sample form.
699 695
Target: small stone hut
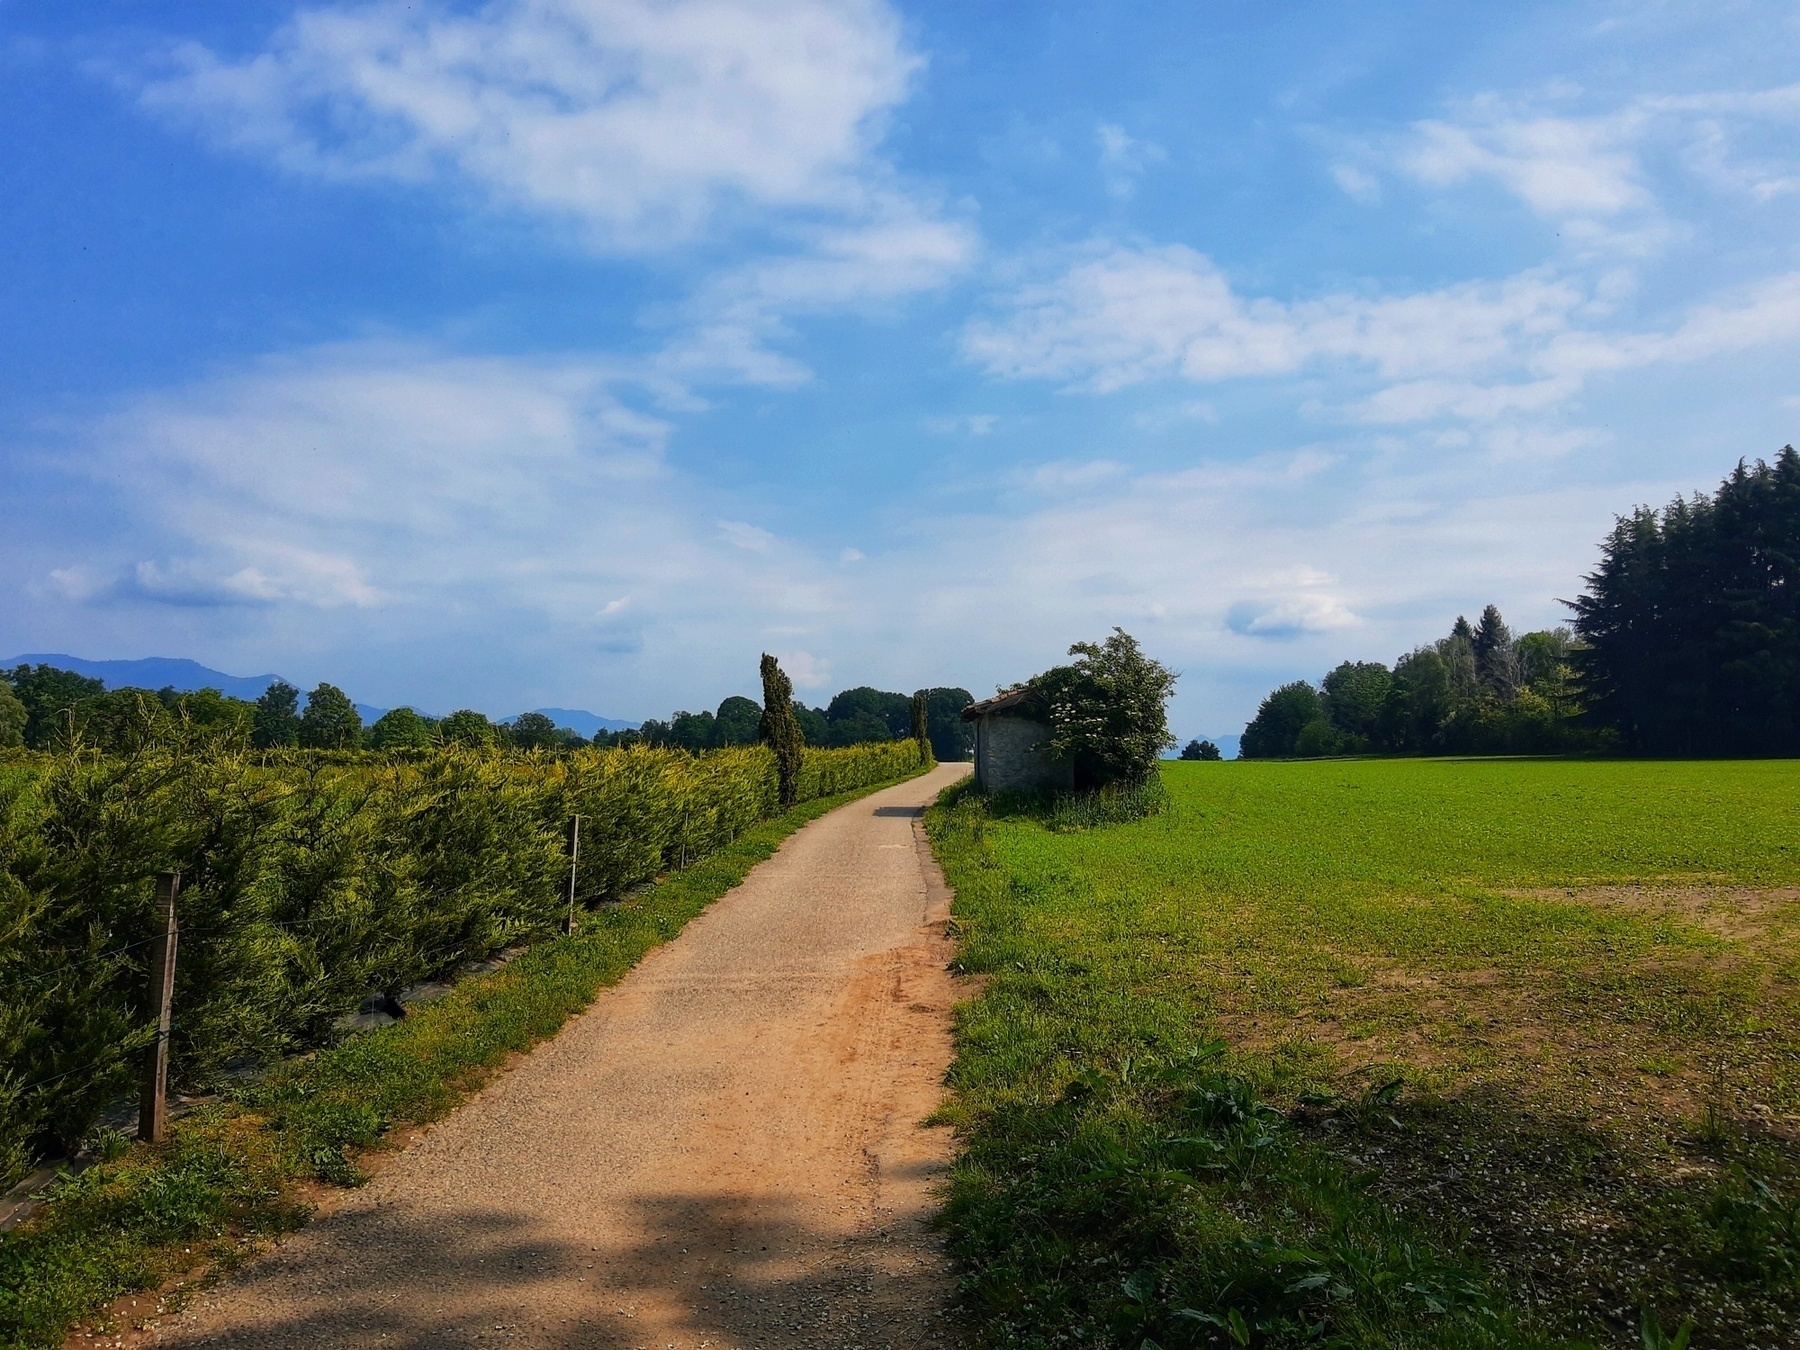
1012 744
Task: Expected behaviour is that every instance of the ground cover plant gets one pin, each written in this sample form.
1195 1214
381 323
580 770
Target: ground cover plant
1404 1052
231 1173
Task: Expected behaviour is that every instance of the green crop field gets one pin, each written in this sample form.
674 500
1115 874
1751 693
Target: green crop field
1427 1052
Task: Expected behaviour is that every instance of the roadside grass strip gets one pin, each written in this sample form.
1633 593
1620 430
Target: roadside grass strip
232 1174
1384 1053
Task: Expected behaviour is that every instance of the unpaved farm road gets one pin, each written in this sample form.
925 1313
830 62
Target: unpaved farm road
724 1151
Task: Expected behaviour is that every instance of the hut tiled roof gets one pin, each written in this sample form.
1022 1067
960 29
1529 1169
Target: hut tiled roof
1013 700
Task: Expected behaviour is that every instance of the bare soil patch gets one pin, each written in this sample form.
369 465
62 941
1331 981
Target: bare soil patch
1741 913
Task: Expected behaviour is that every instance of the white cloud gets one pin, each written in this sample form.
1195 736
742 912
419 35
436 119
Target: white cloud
1125 315
1123 158
729 326
1289 616
547 541
468 512
1583 170
280 572
1358 183
1558 166
642 120
805 670
640 125
973 424
751 538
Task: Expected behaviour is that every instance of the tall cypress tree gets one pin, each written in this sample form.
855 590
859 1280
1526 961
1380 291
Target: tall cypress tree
780 729
921 729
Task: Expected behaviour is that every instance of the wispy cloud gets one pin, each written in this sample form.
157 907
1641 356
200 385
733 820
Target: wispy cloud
432 495
1588 169
353 493
1559 166
1124 315
638 126
640 121
1123 158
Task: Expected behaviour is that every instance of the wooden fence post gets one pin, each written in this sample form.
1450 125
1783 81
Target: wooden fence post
153 1110
574 855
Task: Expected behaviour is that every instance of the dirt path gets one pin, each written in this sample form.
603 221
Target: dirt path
724 1151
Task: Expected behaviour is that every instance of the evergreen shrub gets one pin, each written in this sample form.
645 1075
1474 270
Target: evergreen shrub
310 880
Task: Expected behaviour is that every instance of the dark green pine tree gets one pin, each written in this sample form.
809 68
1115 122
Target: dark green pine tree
1492 642
1690 626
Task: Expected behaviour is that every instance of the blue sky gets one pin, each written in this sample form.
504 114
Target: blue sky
573 352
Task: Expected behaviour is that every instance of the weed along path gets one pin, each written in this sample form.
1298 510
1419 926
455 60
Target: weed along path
724 1151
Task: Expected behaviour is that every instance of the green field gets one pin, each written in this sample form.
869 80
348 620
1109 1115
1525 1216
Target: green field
1426 1052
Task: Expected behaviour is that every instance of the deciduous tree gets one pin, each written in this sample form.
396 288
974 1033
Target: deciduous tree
12 716
1274 733
465 726
276 721
330 721
48 694
736 721
400 729
1108 711
534 731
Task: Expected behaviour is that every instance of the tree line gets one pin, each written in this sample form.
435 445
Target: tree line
1685 641
41 706
1690 627
1477 690
858 716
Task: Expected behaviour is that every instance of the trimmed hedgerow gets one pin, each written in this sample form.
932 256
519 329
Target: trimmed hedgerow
225 1176
308 883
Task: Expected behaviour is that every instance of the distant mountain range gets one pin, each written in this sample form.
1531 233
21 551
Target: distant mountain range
587 723
166 672
153 672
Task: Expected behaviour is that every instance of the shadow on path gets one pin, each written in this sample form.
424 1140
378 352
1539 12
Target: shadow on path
725 1273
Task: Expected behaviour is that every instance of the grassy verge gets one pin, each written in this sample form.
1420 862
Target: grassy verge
1385 1053
228 1173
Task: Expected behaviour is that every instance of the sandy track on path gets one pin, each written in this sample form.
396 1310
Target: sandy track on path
724 1151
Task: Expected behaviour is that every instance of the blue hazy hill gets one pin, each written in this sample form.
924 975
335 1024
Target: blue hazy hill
1228 745
185 676
153 672
585 722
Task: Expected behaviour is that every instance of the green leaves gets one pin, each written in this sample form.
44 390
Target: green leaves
309 883
1108 711
1655 1338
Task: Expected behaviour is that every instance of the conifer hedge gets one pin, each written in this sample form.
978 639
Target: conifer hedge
310 881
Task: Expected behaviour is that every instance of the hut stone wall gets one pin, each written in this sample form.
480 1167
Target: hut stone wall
1014 752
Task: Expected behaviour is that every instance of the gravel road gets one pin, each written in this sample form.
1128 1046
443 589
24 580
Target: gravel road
724 1151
